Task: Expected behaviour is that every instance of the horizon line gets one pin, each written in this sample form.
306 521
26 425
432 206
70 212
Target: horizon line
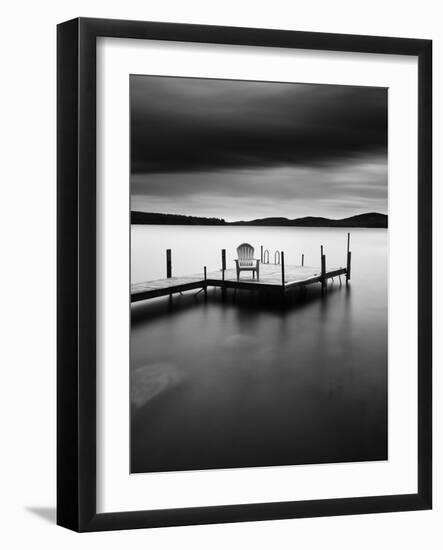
259 218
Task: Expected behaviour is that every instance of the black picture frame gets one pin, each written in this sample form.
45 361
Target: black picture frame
76 280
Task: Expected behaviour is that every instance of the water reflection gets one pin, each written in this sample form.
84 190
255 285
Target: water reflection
150 380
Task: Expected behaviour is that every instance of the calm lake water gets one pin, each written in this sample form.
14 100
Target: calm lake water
246 382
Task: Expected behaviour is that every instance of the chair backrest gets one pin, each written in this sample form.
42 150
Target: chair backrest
245 252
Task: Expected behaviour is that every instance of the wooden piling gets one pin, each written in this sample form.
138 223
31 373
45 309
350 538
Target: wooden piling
223 258
282 262
302 260
348 261
261 253
205 288
323 269
168 264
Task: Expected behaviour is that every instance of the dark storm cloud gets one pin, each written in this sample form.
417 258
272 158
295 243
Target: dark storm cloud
181 125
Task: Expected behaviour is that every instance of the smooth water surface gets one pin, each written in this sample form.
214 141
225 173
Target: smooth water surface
245 381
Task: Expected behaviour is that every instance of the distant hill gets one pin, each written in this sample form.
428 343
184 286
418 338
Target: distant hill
371 219
150 218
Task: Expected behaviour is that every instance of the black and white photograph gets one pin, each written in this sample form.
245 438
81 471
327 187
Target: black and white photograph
259 274
221 271
244 277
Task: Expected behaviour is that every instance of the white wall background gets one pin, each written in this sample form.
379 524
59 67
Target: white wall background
27 274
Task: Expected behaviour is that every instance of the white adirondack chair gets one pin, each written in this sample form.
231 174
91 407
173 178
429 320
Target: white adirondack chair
246 260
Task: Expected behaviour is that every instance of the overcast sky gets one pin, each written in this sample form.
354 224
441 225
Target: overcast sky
244 150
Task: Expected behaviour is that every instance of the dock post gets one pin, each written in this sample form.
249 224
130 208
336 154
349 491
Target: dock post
282 262
302 260
283 283
348 262
205 288
323 270
261 254
168 263
223 258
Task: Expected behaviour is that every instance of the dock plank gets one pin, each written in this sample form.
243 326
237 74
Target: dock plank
270 278
271 275
137 288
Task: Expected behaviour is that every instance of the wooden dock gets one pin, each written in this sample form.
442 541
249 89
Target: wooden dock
273 277
270 279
